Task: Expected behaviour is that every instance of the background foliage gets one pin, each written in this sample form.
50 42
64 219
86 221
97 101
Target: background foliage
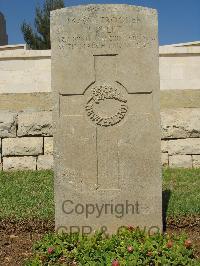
38 37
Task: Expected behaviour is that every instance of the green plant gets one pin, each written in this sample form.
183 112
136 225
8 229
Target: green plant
127 247
39 36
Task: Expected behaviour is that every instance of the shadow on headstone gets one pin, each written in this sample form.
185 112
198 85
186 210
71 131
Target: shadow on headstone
166 194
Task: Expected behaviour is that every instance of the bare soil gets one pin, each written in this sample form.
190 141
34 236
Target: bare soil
18 237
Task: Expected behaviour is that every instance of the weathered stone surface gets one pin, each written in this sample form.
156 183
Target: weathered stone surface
180 161
196 161
19 163
186 98
22 146
48 145
17 102
183 146
25 71
42 101
165 159
7 124
45 162
179 67
105 80
164 146
31 72
35 124
180 123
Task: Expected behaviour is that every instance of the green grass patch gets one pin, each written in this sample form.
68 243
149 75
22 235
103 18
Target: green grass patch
29 194
26 194
182 188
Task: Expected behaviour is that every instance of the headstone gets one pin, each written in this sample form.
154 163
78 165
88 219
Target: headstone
3 35
105 81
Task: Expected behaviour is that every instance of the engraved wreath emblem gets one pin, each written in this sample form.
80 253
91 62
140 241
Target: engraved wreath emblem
103 93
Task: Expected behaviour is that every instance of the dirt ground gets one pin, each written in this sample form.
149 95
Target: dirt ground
17 238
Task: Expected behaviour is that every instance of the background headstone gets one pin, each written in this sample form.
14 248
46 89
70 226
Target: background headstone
105 80
3 34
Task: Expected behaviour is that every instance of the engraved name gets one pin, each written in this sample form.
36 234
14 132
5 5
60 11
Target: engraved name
104 19
113 31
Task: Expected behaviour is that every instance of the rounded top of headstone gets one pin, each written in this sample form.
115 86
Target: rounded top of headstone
117 32
95 7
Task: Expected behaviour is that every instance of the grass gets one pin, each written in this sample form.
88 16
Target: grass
26 194
30 194
182 187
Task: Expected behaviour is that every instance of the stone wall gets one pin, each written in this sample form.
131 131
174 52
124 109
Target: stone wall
179 66
29 71
26 136
24 71
181 137
26 140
